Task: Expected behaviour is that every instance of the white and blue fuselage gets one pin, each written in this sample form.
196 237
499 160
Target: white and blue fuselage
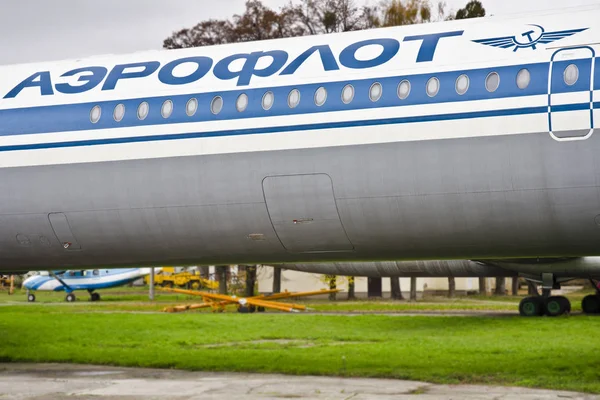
89 280
457 140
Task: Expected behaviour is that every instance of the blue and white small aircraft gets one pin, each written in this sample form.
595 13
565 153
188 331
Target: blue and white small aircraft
89 280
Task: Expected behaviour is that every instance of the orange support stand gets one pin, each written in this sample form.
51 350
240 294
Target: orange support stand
218 301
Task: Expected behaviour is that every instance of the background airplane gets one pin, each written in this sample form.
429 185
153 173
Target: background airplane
90 280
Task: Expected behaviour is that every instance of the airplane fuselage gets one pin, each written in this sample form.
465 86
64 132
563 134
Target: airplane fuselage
458 140
89 280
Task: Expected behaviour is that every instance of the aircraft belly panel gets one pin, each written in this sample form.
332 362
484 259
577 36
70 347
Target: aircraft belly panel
26 235
304 214
502 196
170 233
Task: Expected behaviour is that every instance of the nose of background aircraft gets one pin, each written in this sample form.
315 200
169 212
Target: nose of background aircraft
30 282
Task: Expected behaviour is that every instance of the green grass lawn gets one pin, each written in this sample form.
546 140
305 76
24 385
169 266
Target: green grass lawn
557 353
136 299
116 299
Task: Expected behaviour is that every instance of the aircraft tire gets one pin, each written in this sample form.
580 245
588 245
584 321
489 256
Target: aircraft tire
31 297
95 297
557 305
567 303
531 307
591 304
70 298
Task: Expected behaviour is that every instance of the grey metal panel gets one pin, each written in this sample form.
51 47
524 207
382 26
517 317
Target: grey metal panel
28 237
304 214
62 230
580 267
171 233
418 269
471 198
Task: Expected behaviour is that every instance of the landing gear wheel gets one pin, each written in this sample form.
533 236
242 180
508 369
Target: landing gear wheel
31 297
567 303
70 298
95 296
531 307
591 304
243 309
557 305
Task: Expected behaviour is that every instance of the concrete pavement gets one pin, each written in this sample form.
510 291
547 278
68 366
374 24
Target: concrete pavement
76 382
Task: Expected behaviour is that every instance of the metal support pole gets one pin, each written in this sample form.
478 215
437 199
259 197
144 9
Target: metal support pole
151 291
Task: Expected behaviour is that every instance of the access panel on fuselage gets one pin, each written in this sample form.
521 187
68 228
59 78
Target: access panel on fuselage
62 230
304 214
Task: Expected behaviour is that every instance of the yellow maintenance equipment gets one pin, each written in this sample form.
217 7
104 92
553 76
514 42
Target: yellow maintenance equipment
7 283
218 302
167 277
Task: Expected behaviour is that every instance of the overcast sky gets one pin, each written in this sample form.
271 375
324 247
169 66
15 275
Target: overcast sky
41 30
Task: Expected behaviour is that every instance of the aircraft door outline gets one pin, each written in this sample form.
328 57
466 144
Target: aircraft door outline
569 116
304 214
62 230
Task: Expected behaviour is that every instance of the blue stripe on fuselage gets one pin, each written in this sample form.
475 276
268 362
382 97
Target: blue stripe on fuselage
281 129
104 285
34 283
100 281
76 117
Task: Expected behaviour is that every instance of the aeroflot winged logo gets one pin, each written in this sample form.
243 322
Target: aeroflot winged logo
529 39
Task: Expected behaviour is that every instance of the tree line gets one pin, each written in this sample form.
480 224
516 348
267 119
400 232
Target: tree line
313 17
